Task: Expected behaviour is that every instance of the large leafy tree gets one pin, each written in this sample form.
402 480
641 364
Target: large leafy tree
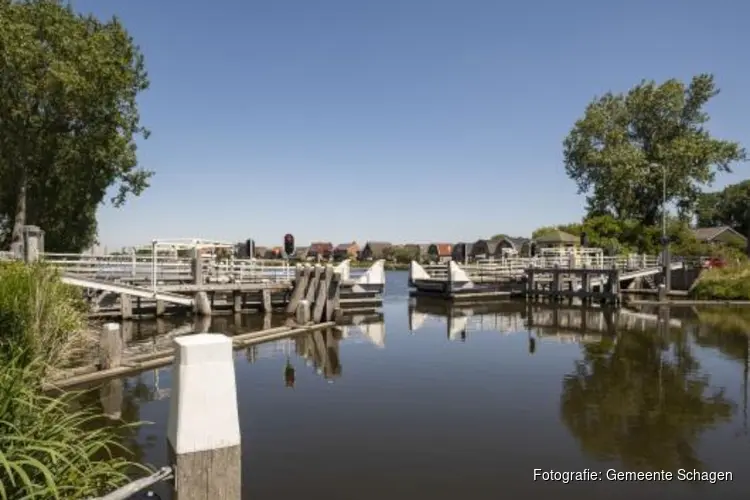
68 120
624 144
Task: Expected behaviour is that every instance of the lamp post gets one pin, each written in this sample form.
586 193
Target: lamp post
666 258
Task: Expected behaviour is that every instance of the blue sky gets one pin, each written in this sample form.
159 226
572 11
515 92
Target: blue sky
398 120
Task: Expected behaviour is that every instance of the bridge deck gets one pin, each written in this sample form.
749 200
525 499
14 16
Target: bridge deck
135 291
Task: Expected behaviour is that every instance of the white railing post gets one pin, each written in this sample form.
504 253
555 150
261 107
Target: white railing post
153 265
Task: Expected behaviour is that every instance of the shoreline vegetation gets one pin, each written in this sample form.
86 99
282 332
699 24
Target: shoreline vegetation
47 446
728 283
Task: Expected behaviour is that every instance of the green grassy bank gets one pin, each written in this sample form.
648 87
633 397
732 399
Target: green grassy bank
47 449
728 283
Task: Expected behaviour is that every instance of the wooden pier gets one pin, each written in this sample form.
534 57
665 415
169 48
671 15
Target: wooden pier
586 275
135 286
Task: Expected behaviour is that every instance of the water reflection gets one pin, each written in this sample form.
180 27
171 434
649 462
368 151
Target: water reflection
641 397
636 389
638 394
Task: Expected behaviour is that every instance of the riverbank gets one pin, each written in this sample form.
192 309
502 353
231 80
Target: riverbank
728 283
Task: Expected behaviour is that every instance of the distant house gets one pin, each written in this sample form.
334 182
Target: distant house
300 253
720 234
485 249
375 250
321 250
518 246
273 253
346 251
440 252
462 252
557 239
260 252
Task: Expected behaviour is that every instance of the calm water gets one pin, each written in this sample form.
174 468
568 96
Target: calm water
447 406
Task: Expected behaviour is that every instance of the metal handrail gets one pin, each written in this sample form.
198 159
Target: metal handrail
139 485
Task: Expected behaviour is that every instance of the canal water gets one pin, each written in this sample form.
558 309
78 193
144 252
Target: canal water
427 404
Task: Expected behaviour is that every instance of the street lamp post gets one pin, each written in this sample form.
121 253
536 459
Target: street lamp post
666 258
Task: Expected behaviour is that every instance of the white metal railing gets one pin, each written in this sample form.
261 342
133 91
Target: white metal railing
143 268
516 266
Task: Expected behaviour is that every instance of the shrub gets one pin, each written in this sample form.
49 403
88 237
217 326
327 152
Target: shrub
47 449
728 283
41 318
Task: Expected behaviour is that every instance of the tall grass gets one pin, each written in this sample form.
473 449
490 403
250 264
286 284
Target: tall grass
47 450
41 318
728 283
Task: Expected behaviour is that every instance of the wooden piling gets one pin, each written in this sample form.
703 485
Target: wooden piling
333 300
202 304
236 301
321 295
302 276
126 306
161 307
197 267
313 285
266 304
110 356
203 431
302 314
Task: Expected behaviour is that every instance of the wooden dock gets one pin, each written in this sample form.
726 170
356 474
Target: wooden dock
557 277
133 286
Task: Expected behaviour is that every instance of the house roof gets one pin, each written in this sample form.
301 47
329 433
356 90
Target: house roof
345 246
710 233
321 246
489 245
557 236
517 242
301 251
378 245
443 249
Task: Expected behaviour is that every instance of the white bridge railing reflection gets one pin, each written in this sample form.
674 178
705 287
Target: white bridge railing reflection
566 324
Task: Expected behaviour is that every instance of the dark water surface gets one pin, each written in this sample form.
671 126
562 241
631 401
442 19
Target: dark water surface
468 403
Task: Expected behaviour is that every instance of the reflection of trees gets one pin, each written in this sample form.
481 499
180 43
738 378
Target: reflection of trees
628 400
135 392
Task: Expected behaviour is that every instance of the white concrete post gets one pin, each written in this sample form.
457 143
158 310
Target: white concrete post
203 431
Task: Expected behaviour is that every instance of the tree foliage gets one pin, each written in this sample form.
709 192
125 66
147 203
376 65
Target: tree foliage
625 145
728 207
68 120
624 236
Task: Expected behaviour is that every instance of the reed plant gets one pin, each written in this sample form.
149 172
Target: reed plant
41 318
48 449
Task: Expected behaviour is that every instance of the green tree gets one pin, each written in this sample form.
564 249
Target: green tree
619 151
68 120
728 207
405 254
